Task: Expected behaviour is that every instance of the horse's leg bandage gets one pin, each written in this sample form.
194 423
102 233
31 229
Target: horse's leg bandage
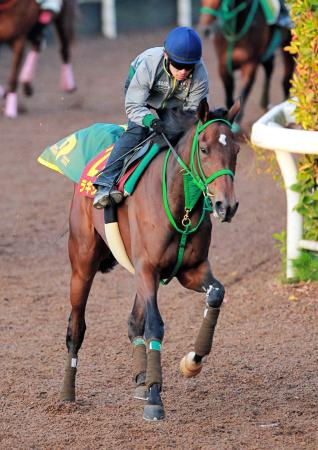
154 371
139 357
68 389
203 343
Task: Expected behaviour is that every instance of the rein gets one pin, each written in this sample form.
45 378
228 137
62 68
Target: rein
194 184
228 18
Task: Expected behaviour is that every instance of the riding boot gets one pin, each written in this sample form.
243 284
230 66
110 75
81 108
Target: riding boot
107 192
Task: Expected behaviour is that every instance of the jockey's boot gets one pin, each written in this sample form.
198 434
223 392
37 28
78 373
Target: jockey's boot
107 195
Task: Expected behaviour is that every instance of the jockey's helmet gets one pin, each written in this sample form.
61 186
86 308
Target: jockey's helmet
183 45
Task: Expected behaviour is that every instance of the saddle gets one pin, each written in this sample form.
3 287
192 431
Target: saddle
134 167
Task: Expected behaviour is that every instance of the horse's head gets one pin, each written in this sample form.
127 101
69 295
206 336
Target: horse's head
216 154
208 16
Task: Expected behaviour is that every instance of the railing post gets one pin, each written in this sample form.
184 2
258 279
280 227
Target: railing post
184 13
294 224
109 23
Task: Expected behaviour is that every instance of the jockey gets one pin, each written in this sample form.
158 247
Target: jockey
49 9
160 79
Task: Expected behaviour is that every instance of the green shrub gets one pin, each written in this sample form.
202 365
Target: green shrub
304 89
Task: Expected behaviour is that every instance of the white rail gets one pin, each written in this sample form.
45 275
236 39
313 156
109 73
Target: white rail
269 133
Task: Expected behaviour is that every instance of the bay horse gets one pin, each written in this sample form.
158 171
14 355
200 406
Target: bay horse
159 224
17 19
243 40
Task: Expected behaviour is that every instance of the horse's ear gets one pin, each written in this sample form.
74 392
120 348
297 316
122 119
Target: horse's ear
234 110
203 110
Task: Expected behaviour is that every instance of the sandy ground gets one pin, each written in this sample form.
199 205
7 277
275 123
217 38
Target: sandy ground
258 389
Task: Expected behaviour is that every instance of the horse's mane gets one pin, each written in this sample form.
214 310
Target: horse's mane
177 119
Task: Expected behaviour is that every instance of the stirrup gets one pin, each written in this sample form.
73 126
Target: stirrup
101 198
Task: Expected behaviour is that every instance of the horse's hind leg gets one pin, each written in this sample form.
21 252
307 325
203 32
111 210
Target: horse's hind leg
64 24
202 280
228 84
85 250
268 68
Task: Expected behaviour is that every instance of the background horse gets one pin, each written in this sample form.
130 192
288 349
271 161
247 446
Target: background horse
17 18
243 40
151 226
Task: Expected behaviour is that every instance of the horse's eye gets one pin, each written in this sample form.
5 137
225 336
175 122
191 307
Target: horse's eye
204 150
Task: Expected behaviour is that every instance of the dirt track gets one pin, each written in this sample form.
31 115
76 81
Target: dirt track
259 387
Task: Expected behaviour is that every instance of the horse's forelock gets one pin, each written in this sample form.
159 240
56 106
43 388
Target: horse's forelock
219 113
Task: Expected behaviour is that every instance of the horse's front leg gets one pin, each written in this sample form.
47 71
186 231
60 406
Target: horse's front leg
268 68
64 27
136 329
146 331
11 106
201 279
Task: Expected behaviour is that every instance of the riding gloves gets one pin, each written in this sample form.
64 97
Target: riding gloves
157 126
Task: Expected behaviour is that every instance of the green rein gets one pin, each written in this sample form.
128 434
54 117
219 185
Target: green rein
195 183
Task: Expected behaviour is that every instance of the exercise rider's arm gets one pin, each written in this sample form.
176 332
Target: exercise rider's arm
138 93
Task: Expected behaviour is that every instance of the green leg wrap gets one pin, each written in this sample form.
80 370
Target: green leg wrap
154 372
139 357
203 343
67 393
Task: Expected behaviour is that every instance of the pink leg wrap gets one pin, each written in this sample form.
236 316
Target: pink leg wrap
29 67
67 78
11 108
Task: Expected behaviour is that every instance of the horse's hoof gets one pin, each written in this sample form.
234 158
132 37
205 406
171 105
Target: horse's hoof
154 412
141 393
188 367
27 89
67 396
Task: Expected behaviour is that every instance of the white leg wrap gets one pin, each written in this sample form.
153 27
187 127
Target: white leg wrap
11 108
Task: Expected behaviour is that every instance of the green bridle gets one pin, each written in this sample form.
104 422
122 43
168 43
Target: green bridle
195 183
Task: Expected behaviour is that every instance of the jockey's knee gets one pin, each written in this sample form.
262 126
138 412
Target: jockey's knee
215 294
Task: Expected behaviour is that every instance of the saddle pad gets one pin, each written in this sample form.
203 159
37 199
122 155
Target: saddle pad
71 154
89 175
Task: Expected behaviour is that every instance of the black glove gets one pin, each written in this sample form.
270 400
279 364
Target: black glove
157 126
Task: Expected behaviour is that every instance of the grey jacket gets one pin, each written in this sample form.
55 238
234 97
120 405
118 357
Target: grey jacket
150 85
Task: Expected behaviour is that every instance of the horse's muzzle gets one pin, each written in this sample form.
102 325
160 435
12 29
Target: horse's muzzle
225 212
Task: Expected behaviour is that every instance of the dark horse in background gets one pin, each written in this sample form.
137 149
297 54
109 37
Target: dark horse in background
152 243
17 19
243 40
